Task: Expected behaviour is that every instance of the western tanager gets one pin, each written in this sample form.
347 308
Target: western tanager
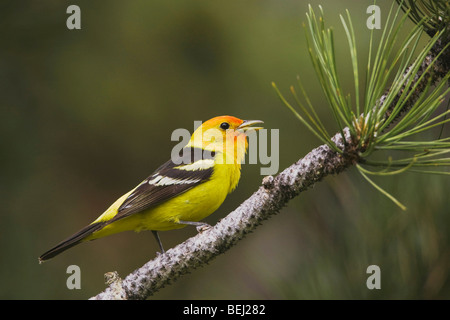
182 191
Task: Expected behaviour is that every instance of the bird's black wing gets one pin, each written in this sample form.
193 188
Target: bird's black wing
192 167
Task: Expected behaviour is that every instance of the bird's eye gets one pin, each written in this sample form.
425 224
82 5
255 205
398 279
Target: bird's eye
224 125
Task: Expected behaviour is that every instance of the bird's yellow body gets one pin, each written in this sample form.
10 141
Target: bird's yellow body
177 194
193 205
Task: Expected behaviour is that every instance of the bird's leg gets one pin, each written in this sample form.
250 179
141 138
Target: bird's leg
155 233
200 226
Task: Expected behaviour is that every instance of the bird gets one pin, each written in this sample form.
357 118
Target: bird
183 191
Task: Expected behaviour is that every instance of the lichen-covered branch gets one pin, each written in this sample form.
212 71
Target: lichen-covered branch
438 71
267 201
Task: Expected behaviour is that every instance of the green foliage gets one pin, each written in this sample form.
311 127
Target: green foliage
435 12
395 104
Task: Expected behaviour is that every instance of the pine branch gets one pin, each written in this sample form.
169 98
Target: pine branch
267 201
439 70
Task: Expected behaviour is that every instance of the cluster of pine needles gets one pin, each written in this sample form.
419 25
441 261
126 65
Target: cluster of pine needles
394 105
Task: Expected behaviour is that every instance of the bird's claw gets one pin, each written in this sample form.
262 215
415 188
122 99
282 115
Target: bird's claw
203 227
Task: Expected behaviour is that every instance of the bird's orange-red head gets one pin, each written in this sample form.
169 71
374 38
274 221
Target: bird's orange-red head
225 134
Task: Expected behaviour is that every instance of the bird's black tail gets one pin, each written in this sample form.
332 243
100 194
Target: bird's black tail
71 241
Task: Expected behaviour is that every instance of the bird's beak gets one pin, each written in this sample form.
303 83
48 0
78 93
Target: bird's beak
246 125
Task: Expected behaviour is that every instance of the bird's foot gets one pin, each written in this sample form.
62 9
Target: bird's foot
203 227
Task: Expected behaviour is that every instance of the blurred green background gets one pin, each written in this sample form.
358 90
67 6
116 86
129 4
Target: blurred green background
87 114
